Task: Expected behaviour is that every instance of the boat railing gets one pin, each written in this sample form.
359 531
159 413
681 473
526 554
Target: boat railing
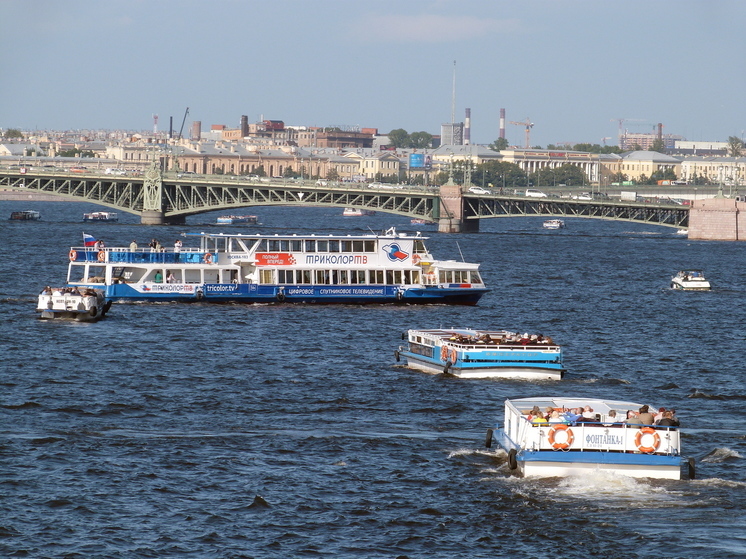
602 436
504 347
126 256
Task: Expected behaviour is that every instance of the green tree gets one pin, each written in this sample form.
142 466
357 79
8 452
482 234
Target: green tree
735 146
13 133
499 144
399 138
420 140
658 146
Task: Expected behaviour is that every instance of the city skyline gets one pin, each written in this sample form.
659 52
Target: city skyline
574 68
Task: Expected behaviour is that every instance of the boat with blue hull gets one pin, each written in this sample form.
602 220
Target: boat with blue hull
366 268
468 353
565 444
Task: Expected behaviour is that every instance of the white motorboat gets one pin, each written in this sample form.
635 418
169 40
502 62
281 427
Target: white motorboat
690 280
357 212
82 305
554 224
574 444
101 216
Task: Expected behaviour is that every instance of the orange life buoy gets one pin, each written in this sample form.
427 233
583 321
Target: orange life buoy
454 355
443 353
101 257
416 259
569 437
656 440
207 258
73 255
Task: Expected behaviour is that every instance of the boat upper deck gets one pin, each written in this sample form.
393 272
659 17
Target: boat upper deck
481 339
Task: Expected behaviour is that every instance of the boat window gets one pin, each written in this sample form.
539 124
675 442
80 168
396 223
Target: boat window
333 245
370 246
191 276
346 246
376 276
393 277
322 246
273 245
96 274
262 246
475 278
296 245
344 277
460 276
266 276
310 245
358 246
357 276
303 276
322 277
419 247
446 276
211 276
285 276
284 245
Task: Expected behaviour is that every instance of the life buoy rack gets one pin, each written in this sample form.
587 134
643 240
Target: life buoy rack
569 437
207 258
73 255
656 440
101 256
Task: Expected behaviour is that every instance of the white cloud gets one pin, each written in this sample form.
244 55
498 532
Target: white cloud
428 28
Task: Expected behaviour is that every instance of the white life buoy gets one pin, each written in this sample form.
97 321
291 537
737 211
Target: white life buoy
207 258
101 257
656 440
569 437
73 255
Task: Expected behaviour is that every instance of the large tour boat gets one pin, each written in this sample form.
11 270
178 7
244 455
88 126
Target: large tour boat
483 354
26 215
365 268
101 216
582 435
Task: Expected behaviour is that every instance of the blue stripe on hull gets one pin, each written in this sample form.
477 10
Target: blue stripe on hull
599 457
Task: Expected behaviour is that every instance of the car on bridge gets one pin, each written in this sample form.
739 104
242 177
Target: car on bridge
478 190
534 193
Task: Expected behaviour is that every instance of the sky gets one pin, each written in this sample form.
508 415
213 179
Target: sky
572 68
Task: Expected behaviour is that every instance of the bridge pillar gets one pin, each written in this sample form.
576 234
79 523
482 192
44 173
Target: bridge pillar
717 219
453 218
151 217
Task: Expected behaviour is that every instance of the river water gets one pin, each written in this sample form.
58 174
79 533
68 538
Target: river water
279 431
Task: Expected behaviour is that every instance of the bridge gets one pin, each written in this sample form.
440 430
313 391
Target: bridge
160 198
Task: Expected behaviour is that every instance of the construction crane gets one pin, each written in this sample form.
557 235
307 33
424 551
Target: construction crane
183 121
528 124
622 131
604 139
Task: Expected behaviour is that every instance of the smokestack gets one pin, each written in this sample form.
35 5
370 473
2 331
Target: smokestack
170 127
502 123
660 131
244 126
467 127
197 130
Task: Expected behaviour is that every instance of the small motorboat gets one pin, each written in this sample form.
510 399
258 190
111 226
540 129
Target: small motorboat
690 280
574 442
70 303
26 215
554 224
421 221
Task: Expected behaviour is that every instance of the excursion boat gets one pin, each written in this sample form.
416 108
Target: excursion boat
469 353
101 216
356 212
27 215
421 221
579 446
554 224
365 268
82 305
236 219
690 280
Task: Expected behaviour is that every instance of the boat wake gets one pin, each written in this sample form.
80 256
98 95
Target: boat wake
721 455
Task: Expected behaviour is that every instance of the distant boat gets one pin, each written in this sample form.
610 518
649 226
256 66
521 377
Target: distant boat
101 216
235 219
690 280
554 224
421 221
27 215
357 212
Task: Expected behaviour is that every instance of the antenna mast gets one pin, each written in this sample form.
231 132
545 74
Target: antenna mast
453 97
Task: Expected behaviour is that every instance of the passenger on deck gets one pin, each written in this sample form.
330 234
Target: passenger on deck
572 415
632 418
535 412
667 420
612 419
556 418
588 413
539 420
133 246
158 277
645 416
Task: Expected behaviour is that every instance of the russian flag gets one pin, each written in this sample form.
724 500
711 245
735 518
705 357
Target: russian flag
88 240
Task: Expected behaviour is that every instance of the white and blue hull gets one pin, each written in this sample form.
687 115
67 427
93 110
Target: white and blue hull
506 368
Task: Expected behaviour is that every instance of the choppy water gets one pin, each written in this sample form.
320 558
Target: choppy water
172 430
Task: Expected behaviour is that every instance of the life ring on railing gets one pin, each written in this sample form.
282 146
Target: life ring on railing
101 256
443 353
454 355
656 440
569 437
207 258
416 259
73 255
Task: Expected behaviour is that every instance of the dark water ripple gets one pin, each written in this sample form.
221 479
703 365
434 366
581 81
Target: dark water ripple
270 431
